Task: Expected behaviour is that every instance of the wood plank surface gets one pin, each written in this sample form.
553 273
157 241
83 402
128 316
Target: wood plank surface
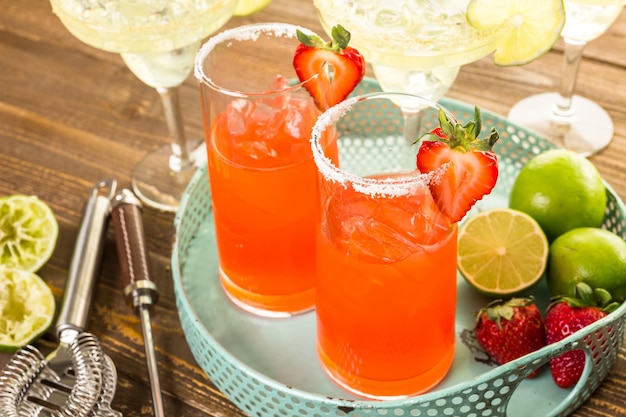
71 115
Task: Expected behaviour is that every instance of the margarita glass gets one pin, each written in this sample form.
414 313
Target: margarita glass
568 120
258 123
158 41
413 47
386 255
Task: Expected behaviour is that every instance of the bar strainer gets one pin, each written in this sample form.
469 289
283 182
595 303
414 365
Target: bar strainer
77 379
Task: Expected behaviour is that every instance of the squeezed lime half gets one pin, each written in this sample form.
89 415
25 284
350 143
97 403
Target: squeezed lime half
26 308
28 232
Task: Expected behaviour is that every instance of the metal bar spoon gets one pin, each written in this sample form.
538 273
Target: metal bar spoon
140 292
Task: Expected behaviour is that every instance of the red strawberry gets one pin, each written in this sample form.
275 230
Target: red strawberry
509 330
348 66
567 315
471 169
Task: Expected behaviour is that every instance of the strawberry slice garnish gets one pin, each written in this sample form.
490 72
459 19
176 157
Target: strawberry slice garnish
467 168
335 83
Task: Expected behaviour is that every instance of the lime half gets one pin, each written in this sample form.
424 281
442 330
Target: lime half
248 7
26 308
535 25
502 252
28 232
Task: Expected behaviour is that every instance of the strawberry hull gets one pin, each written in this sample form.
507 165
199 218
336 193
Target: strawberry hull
466 164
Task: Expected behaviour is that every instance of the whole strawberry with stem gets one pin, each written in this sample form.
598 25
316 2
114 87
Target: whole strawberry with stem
567 315
467 167
508 330
330 70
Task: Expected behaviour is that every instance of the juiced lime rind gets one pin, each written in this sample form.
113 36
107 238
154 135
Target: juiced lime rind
482 240
28 232
535 26
27 308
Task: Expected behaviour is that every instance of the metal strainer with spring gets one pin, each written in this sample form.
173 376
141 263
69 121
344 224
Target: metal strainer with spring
77 379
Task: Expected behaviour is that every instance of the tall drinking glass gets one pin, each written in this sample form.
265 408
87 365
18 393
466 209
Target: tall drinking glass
568 120
258 119
158 40
386 255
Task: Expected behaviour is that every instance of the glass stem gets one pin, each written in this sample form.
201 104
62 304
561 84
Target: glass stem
572 57
412 128
181 155
412 124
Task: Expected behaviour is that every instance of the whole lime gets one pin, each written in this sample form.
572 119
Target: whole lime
594 256
560 189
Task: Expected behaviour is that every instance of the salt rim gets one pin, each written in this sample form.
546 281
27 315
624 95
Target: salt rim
243 33
387 187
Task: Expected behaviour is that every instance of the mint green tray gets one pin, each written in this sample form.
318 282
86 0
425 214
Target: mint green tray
269 367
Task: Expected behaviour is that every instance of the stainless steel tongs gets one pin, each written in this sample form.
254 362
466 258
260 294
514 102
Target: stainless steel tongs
77 379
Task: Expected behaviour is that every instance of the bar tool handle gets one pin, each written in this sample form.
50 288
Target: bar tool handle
86 259
139 290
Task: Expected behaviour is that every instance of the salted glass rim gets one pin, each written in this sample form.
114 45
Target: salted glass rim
248 32
390 187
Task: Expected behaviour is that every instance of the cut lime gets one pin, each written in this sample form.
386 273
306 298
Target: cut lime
502 252
28 232
248 7
26 306
535 25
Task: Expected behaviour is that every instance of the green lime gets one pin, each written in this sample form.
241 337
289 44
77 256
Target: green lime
594 256
248 7
560 189
502 252
28 232
534 26
26 306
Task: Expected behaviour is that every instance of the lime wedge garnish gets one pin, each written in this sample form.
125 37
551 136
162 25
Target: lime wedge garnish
26 308
28 232
248 7
502 252
535 25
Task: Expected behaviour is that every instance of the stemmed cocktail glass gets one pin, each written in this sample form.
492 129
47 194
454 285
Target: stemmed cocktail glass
158 41
416 48
569 120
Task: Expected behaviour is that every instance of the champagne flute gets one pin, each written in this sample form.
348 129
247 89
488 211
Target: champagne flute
158 41
568 120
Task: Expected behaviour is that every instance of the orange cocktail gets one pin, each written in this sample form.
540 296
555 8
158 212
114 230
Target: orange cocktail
386 257
263 178
266 210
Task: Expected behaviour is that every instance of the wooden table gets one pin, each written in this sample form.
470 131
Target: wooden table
71 115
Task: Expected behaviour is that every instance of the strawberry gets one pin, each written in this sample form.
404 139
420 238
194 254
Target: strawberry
348 66
509 330
466 167
566 316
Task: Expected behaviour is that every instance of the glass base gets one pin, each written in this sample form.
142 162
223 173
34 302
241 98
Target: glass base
587 131
271 306
159 186
387 389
